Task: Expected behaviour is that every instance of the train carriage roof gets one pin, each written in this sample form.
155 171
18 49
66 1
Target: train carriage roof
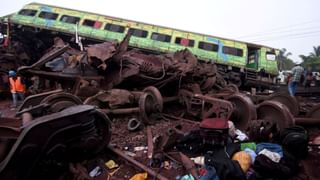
184 31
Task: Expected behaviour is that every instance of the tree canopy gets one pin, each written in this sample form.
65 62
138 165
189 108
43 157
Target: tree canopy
284 62
312 61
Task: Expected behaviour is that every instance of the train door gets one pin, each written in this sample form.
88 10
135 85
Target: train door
271 62
253 57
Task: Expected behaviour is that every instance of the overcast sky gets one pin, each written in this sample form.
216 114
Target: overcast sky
290 24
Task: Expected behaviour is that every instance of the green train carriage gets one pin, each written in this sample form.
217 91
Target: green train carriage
242 59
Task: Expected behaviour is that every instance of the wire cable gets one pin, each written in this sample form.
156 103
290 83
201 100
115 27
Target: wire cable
279 28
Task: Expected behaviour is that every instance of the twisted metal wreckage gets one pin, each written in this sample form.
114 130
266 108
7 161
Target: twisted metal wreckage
110 79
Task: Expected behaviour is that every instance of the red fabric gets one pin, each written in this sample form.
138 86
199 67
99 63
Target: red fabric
214 123
202 171
184 42
97 24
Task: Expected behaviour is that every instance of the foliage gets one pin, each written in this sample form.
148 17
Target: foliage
284 62
312 61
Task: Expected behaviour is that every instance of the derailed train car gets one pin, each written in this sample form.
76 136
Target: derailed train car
240 62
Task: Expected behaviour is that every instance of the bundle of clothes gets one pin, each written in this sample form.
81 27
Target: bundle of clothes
224 152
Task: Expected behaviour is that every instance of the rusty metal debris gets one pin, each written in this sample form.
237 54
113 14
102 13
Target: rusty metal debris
189 165
150 142
69 135
144 89
138 164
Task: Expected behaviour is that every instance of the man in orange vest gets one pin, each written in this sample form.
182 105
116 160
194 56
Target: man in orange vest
17 88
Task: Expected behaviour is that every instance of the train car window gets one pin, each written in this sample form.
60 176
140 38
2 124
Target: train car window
271 56
138 32
232 51
160 37
91 23
27 12
184 41
48 15
70 19
208 46
114 28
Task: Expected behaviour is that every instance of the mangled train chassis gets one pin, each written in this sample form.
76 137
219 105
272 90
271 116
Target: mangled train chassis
41 145
64 126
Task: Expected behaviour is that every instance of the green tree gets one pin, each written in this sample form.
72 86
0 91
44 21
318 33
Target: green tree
316 52
284 62
312 61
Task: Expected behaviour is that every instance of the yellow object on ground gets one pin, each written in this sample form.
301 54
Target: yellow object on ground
244 160
111 164
140 176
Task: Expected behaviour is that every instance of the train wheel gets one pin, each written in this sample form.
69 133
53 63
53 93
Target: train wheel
149 105
275 112
60 101
244 110
157 95
290 102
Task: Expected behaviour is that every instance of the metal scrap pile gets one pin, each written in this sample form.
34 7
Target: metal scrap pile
172 116
111 65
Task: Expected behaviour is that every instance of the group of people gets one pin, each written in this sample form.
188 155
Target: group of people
299 76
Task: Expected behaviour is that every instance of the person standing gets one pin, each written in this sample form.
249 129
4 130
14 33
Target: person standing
17 88
297 71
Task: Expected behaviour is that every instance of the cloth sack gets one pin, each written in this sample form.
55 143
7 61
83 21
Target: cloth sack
271 147
267 168
225 167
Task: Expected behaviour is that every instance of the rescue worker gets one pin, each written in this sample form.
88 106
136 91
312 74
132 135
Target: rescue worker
17 88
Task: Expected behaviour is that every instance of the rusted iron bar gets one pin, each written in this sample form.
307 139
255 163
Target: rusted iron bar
189 165
167 155
170 99
222 94
121 111
150 143
307 121
212 99
220 107
138 164
180 118
178 131
62 76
